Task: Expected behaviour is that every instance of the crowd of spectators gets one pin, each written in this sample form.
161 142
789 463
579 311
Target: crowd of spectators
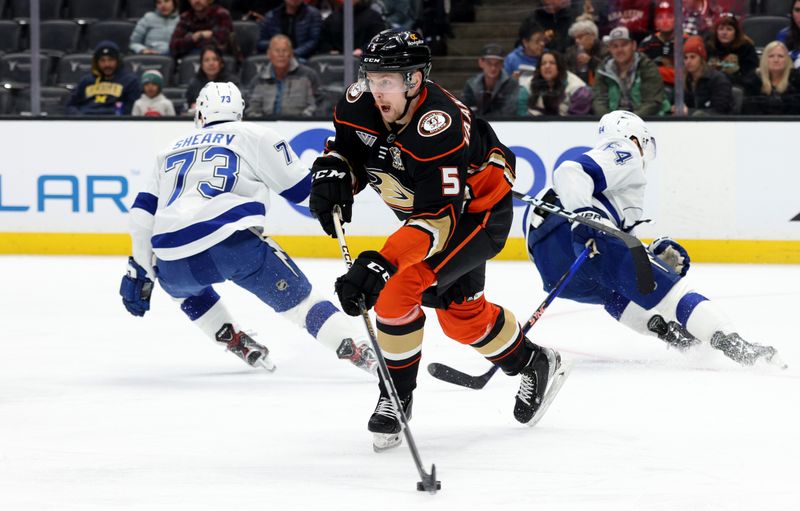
575 59
571 57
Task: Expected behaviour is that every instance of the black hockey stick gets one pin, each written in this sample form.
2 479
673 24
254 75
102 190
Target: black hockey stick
428 482
641 261
450 375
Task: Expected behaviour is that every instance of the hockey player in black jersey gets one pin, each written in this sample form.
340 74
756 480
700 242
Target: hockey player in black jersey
448 178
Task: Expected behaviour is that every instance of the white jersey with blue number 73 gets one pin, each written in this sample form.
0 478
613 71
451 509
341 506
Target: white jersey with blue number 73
211 183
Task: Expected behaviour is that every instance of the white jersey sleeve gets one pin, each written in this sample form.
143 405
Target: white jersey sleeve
609 178
211 183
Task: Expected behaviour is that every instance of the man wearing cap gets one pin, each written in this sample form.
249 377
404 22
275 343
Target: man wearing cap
628 80
492 91
109 89
153 103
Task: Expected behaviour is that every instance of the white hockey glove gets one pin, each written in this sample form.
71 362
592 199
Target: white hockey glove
672 253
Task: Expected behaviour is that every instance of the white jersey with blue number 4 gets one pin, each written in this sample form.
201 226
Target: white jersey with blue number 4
610 177
211 183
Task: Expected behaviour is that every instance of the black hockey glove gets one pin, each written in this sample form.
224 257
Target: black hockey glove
136 289
330 186
366 278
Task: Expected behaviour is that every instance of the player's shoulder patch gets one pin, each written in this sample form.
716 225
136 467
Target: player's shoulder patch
433 122
354 92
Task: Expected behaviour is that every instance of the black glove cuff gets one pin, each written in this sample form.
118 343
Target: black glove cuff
377 258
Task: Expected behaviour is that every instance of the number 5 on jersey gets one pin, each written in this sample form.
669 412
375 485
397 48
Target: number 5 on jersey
450 183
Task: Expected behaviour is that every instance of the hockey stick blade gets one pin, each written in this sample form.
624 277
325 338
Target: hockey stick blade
450 375
641 261
456 377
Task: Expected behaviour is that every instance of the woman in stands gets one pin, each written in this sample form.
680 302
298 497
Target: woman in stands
778 90
555 91
154 30
212 69
790 36
732 52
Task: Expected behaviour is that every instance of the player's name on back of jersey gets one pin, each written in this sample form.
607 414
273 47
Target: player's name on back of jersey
205 138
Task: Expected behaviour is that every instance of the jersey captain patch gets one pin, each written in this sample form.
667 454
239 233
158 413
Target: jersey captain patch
433 123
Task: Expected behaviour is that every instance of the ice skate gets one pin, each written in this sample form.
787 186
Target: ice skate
360 355
244 347
745 353
540 381
385 423
672 333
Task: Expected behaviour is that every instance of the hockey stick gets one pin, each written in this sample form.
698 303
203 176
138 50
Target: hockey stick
428 482
641 261
450 375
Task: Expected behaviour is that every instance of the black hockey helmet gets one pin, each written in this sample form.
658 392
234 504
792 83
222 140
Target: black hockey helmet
396 51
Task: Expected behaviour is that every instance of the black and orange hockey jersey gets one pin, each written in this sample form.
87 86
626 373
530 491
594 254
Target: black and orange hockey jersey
443 163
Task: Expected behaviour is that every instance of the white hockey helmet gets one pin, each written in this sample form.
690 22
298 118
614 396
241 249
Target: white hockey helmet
218 101
624 124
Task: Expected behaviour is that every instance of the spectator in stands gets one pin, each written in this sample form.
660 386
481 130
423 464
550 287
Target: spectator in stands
790 36
628 80
284 87
631 14
212 69
492 91
366 23
109 89
778 91
555 17
154 30
699 16
659 46
205 23
253 10
587 53
153 103
524 59
732 52
301 23
555 91
707 90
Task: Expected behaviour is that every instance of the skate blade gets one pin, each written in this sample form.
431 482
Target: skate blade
383 442
556 381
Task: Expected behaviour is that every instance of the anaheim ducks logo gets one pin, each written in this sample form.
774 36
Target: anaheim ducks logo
354 92
394 194
433 123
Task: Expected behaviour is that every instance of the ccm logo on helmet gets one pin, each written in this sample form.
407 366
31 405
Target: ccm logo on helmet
372 60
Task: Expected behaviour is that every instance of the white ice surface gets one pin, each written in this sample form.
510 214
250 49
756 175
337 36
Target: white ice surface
100 410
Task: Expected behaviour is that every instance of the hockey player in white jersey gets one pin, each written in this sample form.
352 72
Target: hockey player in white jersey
200 221
607 184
